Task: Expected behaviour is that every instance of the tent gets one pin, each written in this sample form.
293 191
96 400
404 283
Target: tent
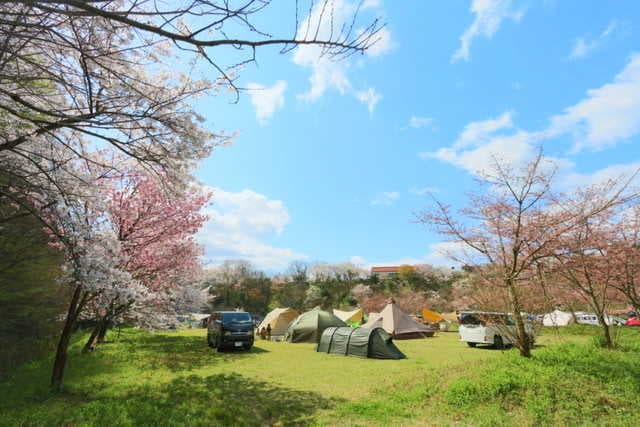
451 317
362 342
431 316
309 326
397 323
557 318
279 319
353 316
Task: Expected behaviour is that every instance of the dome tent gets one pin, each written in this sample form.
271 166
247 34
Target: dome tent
397 323
308 327
279 319
558 318
361 342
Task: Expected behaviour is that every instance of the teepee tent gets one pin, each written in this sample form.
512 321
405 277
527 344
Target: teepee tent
397 323
361 342
431 316
309 326
279 319
557 318
353 316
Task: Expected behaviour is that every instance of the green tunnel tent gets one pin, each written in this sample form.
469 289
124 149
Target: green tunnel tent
373 343
308 327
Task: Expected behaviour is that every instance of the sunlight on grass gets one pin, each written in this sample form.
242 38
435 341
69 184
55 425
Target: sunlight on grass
173 378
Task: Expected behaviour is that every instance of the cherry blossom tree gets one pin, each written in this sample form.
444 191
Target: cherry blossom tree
624 251
155 229
516 222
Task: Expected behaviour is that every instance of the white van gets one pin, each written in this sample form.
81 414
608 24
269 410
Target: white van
591 319
491 328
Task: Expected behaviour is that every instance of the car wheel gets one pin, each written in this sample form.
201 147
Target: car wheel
472 344
219 345
498 343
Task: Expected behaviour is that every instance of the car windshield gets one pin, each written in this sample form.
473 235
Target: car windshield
236 317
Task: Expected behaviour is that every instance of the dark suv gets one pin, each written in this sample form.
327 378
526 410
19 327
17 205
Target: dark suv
230 329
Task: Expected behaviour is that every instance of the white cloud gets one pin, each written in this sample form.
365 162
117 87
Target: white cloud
386 198
267 100
489 17
617 173
327 73
439 255
447 253
383 43
422 191
420 122
584 46
240 226
370 98
480 143
608 115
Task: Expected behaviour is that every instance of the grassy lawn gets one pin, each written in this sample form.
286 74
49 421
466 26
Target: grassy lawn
173 378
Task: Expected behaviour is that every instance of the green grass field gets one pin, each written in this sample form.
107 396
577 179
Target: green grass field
173 378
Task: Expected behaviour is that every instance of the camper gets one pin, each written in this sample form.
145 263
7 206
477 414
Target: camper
490 328
592 319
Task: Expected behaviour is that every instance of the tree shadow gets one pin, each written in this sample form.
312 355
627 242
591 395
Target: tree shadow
223 399
177 353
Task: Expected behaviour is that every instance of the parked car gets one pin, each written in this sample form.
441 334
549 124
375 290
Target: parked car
495 329
633 321
230 329
592 319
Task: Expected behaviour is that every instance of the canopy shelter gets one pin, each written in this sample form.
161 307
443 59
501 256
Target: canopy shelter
279 319
451 317
429 316
361 342
309 326
352 316
397 323
558 318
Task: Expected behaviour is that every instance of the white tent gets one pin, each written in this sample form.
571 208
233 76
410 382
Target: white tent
557 318
279 319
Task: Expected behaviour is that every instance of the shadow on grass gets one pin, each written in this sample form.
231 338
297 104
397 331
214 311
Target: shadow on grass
176 353
223 399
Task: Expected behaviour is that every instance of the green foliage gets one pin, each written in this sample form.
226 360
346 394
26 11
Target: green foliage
30 299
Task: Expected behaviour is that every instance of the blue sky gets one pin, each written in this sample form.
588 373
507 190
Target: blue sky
331 160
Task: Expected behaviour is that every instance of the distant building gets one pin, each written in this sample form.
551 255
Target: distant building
384 272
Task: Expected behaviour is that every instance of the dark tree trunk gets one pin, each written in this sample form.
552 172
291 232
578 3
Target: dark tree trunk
522 337
92 341
104 327
60 361
606 333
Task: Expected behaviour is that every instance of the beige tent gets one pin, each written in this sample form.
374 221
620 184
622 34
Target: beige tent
451 317
397 323
353 316
279 319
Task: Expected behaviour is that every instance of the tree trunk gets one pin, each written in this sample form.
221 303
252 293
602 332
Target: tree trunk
60 361
608 342
104 327
522 338
91 342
